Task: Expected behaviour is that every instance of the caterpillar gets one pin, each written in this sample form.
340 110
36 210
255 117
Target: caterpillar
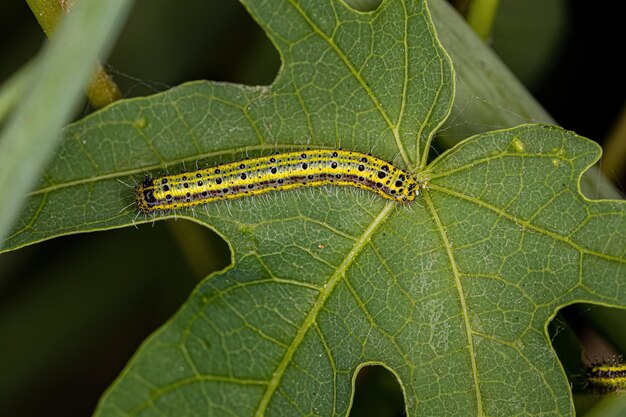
607 376
284 171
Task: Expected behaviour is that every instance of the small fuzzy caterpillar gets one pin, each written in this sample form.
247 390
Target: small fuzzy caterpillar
608 376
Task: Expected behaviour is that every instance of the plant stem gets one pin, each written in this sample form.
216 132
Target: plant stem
47 12
481 15
102 90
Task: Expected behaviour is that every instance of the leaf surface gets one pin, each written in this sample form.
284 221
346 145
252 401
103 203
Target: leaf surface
452 293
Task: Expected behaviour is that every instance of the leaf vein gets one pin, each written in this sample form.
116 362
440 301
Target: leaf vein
317 306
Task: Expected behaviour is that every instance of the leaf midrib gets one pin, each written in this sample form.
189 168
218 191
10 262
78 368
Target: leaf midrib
311 317
461 293
377 104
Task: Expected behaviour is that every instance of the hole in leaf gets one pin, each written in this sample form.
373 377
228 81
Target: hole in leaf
166 43
377 393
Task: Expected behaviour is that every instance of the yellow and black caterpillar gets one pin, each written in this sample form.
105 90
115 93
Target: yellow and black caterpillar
283 171
608 375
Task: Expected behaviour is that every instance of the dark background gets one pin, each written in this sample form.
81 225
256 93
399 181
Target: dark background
70 319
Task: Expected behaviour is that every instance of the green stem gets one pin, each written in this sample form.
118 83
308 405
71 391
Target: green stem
481 15
102 90
48 13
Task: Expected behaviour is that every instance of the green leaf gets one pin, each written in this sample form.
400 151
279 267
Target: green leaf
452 293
